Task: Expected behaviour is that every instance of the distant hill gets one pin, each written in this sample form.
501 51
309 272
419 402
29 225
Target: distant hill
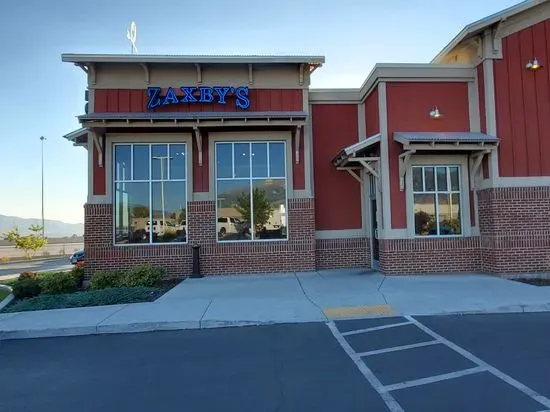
54 228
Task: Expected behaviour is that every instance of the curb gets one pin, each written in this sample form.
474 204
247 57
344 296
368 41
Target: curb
140 327
8 298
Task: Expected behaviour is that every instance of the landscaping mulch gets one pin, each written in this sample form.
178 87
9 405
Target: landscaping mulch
534 281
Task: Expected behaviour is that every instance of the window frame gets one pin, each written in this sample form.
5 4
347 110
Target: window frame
251 138
464 189
147 140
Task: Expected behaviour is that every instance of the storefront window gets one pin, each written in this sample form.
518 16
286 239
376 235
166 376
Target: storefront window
150 198
251 191
436 193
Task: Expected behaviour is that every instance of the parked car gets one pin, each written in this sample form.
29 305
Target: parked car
77 257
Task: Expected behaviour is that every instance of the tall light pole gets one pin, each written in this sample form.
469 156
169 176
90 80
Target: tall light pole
42 138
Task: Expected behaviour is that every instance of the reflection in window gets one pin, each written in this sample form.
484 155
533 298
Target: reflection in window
251 191
150 204
436 196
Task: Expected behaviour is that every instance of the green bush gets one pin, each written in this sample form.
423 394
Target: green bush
26 287
78 274
145 275
106 279
55 283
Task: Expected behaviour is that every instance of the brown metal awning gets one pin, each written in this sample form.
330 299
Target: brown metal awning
364 154
444 140
476 144
193 119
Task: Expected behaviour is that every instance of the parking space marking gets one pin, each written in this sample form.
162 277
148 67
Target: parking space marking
389 400
506 378
391 325
433 379
399 348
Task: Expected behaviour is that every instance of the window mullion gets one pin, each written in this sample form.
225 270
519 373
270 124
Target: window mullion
233 160
267 157
252 231
423 178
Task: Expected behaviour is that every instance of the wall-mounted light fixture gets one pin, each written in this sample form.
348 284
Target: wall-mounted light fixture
434 113
533 65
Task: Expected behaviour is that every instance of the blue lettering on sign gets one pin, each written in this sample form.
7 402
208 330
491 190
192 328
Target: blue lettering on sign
205 94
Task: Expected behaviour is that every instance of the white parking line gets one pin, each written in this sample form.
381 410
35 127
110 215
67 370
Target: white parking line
506 378
390 401
399 348
433 379
358 331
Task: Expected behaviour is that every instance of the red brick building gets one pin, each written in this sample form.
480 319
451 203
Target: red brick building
433 167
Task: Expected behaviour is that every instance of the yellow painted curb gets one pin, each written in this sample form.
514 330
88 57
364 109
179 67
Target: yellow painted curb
358 311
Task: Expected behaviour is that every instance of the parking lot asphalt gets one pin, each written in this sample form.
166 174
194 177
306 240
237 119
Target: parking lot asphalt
442 363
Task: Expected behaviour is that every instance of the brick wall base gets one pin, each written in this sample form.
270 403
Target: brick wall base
295 254
515 229
417 256
342 253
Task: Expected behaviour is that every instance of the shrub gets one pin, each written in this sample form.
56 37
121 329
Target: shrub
26 287
56 283
5 259
145 275
111 296
78 274
106 279
28 275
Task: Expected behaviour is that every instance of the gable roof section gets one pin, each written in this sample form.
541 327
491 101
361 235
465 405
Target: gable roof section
477 27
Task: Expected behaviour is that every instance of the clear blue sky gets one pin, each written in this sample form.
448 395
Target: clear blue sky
40 95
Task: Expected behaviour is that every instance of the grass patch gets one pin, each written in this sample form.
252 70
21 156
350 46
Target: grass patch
109 296
3 294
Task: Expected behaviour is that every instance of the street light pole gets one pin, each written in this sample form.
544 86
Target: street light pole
42 138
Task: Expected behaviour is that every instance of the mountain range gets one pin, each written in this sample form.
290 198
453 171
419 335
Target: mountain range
54 228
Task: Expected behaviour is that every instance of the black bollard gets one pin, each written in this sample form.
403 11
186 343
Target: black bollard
196 261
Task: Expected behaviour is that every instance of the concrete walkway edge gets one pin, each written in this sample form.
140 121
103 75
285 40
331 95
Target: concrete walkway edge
240 301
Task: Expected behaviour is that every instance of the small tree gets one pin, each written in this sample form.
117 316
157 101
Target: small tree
261 206
29 243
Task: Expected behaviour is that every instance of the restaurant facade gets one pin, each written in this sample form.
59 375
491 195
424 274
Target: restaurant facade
426 168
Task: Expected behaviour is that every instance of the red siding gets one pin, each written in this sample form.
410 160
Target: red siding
123 100
522 104
482 117
200 173
409 105
99 174
372 114
337 194
298 172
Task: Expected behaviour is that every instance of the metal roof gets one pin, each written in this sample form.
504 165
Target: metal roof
78 137
443 137
190 59
355 148
191 115
479 26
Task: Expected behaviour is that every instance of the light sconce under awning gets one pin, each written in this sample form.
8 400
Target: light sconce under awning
533 65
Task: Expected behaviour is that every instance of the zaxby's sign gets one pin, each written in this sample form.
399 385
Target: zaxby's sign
217 94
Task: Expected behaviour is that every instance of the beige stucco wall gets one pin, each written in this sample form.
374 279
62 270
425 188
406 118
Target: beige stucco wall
134 76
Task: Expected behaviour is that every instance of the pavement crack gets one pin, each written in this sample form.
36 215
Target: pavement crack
306 295
108 316
204 313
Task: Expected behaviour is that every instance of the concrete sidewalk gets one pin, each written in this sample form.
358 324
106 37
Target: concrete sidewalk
239 300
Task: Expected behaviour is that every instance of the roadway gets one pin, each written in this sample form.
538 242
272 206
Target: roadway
38 265
463 363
